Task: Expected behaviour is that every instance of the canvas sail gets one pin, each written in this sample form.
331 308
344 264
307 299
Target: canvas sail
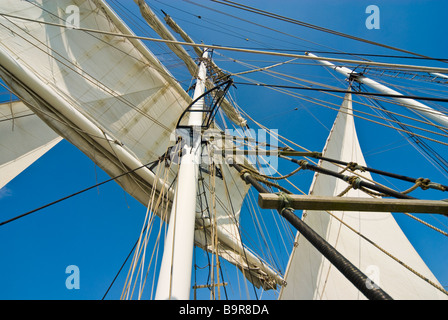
24 138
155 23
107 95
310 276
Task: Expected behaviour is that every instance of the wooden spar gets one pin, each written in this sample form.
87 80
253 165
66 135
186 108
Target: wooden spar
350 271
308 202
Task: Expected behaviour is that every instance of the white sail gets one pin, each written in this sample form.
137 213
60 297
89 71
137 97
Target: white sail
155 23
24 138
107 95
310 276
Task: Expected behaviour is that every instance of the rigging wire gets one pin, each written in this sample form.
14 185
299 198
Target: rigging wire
238 225
303 148
119 270
343 91
265 27
74 194
213 47
281 76
348 53
210 262
358 116
386 252
326 102
308 25
397 74
352 166
277 88
201 205
135 245
235 33
239 236
406 265
154 205
418 143
76 69
249 204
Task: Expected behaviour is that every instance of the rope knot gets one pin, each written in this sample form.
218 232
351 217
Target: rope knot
244 173
354 181
425 184
353 166
285 203
302 163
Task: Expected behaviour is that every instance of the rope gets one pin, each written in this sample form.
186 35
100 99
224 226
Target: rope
279 54
74 194
345 191
269 177
345 91
311 26
353 182
391 256
283 76
353 166
259 177
426 224
418 182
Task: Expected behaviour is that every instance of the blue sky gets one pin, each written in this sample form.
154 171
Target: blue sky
96 230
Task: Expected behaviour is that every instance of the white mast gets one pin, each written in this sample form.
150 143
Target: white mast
175 272
414 105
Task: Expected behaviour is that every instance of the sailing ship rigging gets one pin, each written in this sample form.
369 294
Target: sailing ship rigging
181 141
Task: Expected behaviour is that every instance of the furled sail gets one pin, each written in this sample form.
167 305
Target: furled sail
24 138
163 31
108 95
310 276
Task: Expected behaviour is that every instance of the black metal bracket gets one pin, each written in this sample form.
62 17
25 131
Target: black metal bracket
222 90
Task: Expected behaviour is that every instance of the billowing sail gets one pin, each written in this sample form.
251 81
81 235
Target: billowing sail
24 138
108 95
310 276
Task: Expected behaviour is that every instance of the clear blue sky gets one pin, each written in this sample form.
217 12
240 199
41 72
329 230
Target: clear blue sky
96 230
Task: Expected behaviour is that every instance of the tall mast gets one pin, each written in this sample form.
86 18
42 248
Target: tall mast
175 272
417 107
